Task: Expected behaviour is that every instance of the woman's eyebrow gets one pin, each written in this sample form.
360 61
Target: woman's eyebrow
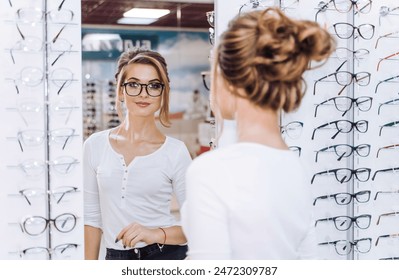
137 79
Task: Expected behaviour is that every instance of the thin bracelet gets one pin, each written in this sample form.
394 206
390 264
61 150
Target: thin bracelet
164 240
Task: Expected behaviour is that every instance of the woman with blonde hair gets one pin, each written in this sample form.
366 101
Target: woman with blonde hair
131 171
250 200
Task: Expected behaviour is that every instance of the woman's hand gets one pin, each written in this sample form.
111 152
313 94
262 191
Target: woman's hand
134 233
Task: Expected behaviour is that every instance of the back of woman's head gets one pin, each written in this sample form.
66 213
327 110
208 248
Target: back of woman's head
148 57
266 53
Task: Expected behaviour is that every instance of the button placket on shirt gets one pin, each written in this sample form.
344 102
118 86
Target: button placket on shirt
124 182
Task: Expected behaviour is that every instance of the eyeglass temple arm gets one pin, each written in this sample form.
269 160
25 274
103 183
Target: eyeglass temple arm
61 4
386 214
381 236
317 128
322 9
364 7
375 174
321 150
321 197
26 198
321 220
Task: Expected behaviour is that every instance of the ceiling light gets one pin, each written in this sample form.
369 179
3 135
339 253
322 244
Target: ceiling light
131 20
146 13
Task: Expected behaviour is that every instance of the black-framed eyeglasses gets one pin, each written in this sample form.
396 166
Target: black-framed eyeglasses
345 78
62 250
343 223
388 125
394 235
153 89
345 150
296 149
344 247
36 225
393 169
344 175
58 193
346 30
362 6
389 102
388 80
292 129
393 147
344 103
395 213
346 198
385 192
343 126
385 11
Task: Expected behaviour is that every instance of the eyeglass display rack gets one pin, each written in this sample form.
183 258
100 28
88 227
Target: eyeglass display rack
99 106
41 201
354 125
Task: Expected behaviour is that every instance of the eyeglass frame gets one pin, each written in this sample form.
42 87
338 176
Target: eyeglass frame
352 220
384 36
344 180
353 125
395 213
296 149
49 163
283 128
53 192
394 235
352 196
141 88
393 169
387 147
353 149
385 58
384 81
385 192
50 251
352 245
353 101
353 30
50 134
385 11
48 222
324 7
388 103
354 78
366 52
390 124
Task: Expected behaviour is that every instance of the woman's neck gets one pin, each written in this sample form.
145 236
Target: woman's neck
258 125
139 128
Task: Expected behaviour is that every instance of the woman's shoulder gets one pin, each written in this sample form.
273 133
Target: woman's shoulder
174 143
97 137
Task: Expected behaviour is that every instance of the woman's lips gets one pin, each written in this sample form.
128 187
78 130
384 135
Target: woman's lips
142 104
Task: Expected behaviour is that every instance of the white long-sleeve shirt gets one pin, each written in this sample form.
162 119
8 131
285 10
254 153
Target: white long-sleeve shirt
248 201
116 195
